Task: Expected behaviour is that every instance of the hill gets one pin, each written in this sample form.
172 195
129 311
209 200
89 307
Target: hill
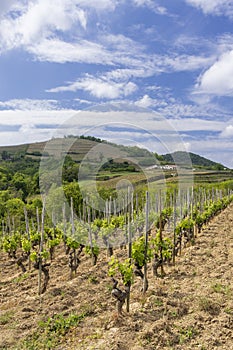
181 158
77 148
83 144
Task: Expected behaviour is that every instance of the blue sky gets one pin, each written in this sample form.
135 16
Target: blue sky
173 57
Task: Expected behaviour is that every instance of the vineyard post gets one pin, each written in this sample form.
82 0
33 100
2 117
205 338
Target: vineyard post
145 280
13 223
107 217
114 206
72 216
110 207
156 203
191 213
38 219
28 234
64 223
32 223
132 211
106 210
170 206
84 211
41 247
3 227
129 197
161 233
9 222
174 229
73 228
201 201
89 233
136 203
205 198
125 204
213 194
187 202
180 203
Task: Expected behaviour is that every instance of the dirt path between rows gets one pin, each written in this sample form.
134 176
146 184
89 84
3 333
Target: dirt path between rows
190 308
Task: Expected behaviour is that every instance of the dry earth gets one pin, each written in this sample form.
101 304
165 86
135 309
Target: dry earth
190 308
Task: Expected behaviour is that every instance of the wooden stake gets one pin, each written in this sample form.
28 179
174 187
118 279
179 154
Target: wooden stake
41 249
145 280
129 243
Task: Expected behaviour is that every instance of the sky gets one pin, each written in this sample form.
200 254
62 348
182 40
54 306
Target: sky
159 60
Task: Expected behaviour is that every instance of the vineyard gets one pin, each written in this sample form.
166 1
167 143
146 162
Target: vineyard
124 257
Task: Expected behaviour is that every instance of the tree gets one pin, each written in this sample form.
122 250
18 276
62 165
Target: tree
72 190
21 182
5 155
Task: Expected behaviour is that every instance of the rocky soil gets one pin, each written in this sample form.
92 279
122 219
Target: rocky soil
190 308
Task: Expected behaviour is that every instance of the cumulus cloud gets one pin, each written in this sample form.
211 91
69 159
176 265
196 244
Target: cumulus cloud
157 103
99 87
227 132
38 20
218 79
146 101
215 7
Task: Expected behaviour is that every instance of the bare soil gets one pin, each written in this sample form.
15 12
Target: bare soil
190 308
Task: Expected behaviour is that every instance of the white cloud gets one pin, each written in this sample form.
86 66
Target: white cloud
195 124
215 7
56 50
218 79
29 105
186 62
218 150
38 20
99 87
146 101
98 5
227 132
109 50
159 103
29 122
81 101
151 4
20 117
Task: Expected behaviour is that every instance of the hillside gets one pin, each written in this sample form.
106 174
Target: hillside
36 150
84 144
198 161
77 148
190 308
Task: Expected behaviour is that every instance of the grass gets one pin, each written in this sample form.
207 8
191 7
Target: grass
220 288
50 331
6 318
208 305
158 302
186 334
93 279
21 278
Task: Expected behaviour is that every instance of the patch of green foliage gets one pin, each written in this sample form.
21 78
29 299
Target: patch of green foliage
51 331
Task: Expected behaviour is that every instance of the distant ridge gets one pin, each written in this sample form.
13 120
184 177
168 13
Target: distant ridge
180 158
83 144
